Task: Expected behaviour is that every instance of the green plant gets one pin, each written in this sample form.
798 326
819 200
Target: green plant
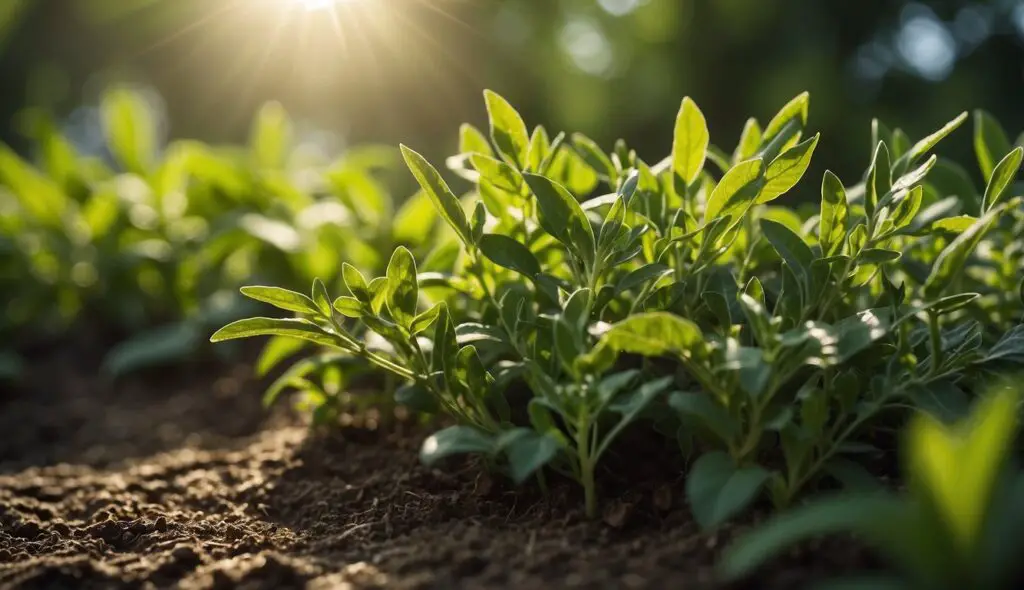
784 328
150 241
955 526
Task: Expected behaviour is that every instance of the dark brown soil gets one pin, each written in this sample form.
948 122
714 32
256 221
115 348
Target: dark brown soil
180 479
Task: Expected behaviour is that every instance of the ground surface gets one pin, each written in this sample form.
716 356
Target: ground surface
181 480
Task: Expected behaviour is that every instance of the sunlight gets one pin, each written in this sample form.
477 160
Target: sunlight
312 5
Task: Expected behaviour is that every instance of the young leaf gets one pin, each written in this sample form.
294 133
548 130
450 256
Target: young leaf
957 469
953 258
561 215
321 298
924 146
990 142
130 128
498 173
293 327
834 213
473 141
689 144
787 169
355 282
425 319
879 180
717 490
1002 176
795 111
736 192
403 290
509 253
750 140
282 299
445 201
508 131
349 307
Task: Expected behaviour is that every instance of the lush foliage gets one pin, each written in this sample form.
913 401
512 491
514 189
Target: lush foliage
767 340
956 526
151 241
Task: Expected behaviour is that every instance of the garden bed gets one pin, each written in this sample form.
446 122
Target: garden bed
181 479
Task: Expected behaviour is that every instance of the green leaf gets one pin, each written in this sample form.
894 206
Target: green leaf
750 140
795 111
641 276
689 144
562 217
473 141
736 192
131 129
704 411
155 347
282 299
508 131
454 440
954 225
790 246
528 452
355 282
349 307
416 397
276 350
403 290
321 298
1002 176
717 490
924 146
270 138
425 319
654 334
990 142
787 169
415 220
838 514
293 327
957 468
498 173
509 253
834 214
877 256
953 258
446 203
879 181
595 157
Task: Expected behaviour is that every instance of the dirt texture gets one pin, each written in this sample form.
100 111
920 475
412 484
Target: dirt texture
180 480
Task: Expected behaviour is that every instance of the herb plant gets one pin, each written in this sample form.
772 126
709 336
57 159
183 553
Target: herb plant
767 340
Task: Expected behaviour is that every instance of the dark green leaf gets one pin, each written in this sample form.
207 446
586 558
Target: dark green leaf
561 215
717 490
454 440
509 253
834 214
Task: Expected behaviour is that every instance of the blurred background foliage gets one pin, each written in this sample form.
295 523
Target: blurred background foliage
411 70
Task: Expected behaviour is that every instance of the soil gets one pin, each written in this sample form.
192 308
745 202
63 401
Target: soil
180 479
